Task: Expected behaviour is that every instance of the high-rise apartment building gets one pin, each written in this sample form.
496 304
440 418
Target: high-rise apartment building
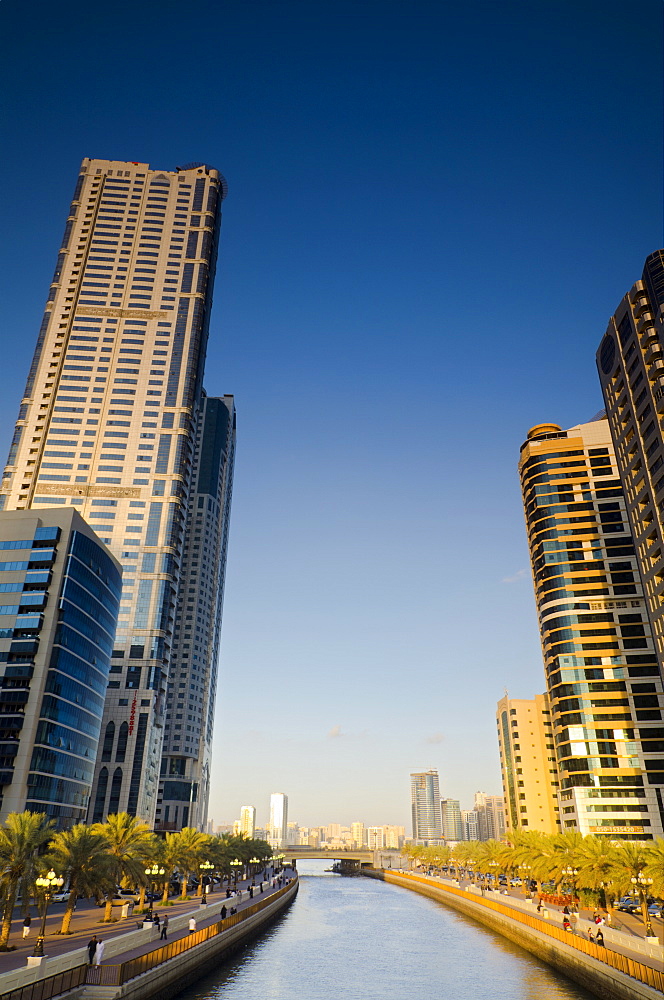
184 788
375 838
60 596
108 423
425 805
450 810
599 657
491 813
630 361
471 827
528 764
248 821
278 820
358 834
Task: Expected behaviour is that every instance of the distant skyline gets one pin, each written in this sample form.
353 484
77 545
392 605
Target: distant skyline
432 212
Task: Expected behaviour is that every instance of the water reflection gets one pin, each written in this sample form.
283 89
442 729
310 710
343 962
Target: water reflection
364 940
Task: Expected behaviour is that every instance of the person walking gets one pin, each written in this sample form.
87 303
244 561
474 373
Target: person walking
92 947
99 952
164 929
192 925
223 913
26 925
599 938
590 935
155 920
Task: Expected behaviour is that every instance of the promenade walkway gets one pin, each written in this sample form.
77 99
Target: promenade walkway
626 940
89 919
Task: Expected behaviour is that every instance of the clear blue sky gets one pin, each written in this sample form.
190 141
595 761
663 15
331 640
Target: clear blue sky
433 209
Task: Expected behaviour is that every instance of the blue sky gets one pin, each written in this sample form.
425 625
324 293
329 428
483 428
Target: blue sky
433 209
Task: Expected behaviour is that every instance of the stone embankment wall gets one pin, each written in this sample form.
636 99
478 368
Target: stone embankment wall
595 976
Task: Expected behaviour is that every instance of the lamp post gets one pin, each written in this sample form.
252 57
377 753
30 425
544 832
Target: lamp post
641 884
254 861
152 873
47 883
235 864
525 877
571 874
493 873
205 869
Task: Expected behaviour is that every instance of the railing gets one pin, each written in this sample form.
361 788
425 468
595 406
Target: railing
643 973
116 975
50 986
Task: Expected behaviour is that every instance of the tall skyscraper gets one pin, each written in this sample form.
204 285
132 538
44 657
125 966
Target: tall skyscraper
60 597
248 821
184 788
528 764
108 423
630 361
451 819
596 638
278 819
425 805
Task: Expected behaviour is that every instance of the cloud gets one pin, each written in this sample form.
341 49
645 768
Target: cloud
335 733
519 575
436 738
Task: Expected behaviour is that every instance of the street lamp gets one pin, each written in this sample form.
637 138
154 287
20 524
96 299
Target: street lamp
641 883
235 864
526 869
47 883
205 867
494 875
571 874
152 873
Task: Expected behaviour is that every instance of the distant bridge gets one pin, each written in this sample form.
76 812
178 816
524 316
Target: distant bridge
304 853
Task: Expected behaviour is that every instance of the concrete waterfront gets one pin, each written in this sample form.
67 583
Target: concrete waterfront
606 973
140 955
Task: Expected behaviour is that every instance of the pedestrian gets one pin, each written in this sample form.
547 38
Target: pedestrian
233 911
599 939
164 929
26 925
607 918
224 912
251 892
155 920
92 947
192 925
99 952
566 910
590 935
539 905
566 924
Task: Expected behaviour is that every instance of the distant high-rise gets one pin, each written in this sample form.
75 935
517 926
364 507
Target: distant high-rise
425 804
528 764
278 820
471 826
601 670
248 821
60 597
490 811
358 834
109 423
451 819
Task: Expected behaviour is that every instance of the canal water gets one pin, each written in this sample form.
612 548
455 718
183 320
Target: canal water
361 939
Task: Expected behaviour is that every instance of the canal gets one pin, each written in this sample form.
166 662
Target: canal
360 939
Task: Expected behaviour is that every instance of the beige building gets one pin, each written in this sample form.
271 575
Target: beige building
110 423
596 638
248 821
528 764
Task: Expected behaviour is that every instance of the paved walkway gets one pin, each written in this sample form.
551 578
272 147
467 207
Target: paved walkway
634 931
88 919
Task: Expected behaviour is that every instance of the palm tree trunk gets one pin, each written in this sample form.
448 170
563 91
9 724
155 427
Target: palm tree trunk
108 912
185 879
69 912
7 917
164 898
141 898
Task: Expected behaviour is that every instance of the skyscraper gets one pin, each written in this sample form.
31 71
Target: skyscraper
278 820
630 361
108 424
184 788
425 805
596 639
248 821
60 596
451 819
528 764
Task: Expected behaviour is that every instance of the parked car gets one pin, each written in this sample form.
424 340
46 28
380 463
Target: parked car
628 905
60 897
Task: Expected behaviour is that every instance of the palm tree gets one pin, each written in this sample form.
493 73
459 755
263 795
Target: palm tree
630 860
654 867
131 844
83 858
20 837
596 857
191 849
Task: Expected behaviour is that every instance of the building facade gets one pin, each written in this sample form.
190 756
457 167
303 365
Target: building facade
450 810
248 821
278 820
184 787
425 805
471 827
108 423
528 764
59 604
599 656
358 834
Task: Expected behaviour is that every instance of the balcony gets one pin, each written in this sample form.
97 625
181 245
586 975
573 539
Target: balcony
640 304
653 353
655 370
644 320
648 336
